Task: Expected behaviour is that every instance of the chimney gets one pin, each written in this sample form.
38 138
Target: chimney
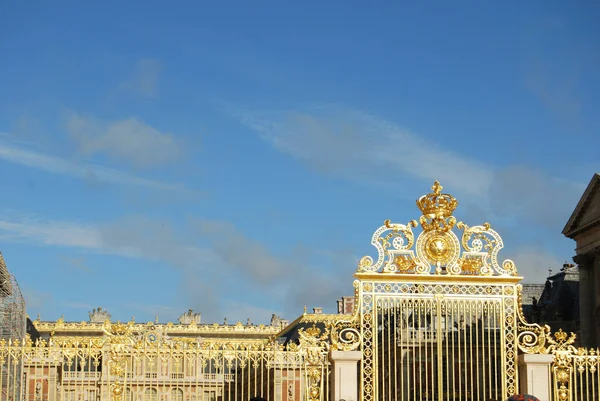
317 311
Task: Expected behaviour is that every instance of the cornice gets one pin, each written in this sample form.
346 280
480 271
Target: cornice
60 326
571 230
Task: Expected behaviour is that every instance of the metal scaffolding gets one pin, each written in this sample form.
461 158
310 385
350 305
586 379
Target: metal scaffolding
13 317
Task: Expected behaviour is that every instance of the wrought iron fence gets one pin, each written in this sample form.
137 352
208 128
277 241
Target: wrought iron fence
438 311
575 371
126 366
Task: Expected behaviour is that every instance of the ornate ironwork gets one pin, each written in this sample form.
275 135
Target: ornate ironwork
433 305
437 316
437 250
129 359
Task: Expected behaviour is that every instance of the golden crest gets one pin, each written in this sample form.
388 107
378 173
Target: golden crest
437 249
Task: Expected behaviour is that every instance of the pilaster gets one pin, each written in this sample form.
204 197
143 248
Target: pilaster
535 376
587 299
345 375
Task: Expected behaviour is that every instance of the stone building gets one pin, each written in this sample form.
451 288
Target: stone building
584 228
152 377
558 304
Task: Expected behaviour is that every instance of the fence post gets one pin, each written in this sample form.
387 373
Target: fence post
535 375
344 369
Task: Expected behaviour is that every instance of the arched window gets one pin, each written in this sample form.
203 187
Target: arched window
150 394
128 394
176 394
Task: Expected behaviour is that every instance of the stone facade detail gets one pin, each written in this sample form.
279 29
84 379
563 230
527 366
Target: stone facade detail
190 317
99 315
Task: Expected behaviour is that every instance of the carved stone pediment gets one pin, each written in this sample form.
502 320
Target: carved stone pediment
99 315
190 317
587 211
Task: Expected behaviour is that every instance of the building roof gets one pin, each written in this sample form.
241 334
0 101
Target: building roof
560 298
587 211
531 291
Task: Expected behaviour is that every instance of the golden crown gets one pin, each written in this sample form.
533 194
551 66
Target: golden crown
313 331
437 204
118 329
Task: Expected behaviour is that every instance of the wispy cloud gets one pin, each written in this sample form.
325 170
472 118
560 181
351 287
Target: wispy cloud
144 80
355 144
78 264
35 299
295 279
130 140
533 263
132 237
303 277
235 249
48 232
360 146
30 158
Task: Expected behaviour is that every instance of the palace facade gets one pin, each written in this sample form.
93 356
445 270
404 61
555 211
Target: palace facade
152 374
584 228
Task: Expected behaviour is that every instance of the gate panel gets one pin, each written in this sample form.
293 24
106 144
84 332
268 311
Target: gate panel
438 347
438 312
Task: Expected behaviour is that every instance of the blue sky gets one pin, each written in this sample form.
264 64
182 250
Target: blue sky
236 157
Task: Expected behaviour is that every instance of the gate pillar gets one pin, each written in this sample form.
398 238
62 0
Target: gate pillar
536 375
344 369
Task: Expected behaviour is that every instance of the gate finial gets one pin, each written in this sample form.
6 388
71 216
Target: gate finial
437 209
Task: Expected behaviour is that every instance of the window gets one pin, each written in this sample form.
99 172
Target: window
176 394
191 366
151 370
177 368
69 395
150 394
210 396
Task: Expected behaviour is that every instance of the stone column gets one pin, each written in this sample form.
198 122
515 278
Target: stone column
595 277
535 376
345 375
586 300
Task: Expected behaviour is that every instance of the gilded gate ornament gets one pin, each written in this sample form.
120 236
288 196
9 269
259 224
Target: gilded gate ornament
437 249
441 273
313 340
532 338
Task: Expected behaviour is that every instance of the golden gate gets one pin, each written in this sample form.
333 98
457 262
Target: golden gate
436 317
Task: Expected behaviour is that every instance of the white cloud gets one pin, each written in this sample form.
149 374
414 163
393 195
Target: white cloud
134 237
144 80
247 255
36 299
48 232
358 145
77 264
363 147
129 140
533 263
29 158
535 196
289 281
